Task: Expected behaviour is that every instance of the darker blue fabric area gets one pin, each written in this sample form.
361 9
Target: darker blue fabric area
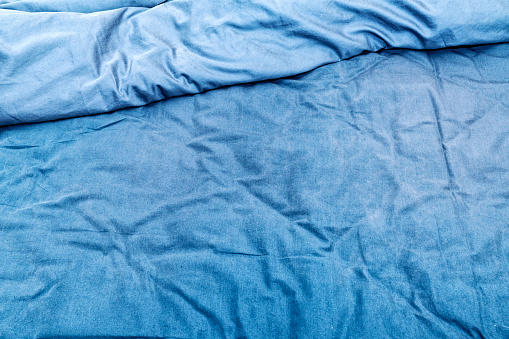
262 169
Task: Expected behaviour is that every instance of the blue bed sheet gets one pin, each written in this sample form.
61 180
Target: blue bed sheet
261 169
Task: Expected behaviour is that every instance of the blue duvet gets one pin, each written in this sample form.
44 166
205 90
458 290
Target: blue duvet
254 169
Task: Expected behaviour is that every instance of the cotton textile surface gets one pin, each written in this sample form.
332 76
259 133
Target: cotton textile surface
262 169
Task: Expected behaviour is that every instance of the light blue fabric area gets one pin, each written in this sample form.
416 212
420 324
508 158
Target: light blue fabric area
134 56
79 6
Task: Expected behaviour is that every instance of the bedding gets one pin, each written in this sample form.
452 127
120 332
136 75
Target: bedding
254 169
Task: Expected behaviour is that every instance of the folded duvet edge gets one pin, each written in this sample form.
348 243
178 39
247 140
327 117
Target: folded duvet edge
62 65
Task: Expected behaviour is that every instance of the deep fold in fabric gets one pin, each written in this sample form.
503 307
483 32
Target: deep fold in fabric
63 64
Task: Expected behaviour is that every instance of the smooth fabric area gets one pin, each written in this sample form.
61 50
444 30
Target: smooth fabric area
263 169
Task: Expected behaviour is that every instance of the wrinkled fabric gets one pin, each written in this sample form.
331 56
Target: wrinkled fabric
264 169
74 6
134 56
